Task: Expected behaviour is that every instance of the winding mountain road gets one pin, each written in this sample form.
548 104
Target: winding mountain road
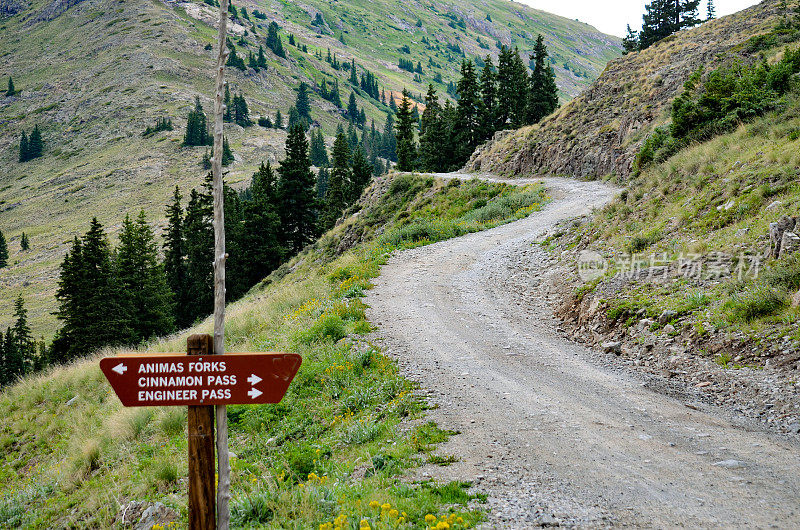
555 434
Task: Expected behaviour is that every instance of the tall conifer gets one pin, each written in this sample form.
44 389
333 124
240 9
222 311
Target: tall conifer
296 198
3 251
143 281
406 147
338 183
543 95
175 260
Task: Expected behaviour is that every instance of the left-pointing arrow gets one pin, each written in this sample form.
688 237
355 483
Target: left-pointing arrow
120 368
254 393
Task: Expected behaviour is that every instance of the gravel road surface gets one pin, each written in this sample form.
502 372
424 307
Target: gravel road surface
554 433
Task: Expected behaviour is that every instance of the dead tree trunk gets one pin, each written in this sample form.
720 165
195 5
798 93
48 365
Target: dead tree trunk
224 469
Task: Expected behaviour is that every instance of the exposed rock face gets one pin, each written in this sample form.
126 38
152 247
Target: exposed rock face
777 231
9 8
55 9
600 132
790 243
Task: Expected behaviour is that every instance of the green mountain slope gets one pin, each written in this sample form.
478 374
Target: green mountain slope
94 74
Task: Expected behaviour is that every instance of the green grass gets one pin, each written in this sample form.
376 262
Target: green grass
336 447
711 198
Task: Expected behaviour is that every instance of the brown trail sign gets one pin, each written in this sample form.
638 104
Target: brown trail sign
198 380
157 380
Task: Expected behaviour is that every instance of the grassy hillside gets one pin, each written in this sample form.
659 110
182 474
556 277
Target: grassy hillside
93 74
600 132
334 450
709 201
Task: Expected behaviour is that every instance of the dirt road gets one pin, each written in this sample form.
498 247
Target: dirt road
555 433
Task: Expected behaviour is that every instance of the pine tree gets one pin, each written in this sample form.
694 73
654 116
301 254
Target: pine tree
352 108
431 134
241 114
261 61
338 183
228 114
352 137
353 76
389 148
227 154
505 86
3 251
361 175
92 304
196 127
323 177
630 43
35 144
260 249
296 199
521 84
467 134
234 60
199 244
664 17
274 40
175 261
487 108
143 281
406 147
449 144
302 103
278 120
24 149
319 152
24 348
11 90
543 94
235 283
4 379
711 13
24 242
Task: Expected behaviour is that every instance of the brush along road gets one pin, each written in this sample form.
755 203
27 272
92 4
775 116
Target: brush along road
555 433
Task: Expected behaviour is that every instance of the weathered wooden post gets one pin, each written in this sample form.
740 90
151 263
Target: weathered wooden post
202 494
224 468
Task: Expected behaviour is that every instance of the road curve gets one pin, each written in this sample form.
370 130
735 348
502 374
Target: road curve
555 434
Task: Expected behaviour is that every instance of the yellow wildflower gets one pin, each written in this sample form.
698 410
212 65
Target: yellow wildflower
430 518
374 505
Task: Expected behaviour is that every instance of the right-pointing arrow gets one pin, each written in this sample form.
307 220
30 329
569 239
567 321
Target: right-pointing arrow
254 379
254 393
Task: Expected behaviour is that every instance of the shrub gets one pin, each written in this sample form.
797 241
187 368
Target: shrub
172 421
640 242
256 508
360 433
166 472
755 302
785 274
327 327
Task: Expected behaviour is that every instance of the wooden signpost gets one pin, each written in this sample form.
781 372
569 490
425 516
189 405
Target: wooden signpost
200 380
